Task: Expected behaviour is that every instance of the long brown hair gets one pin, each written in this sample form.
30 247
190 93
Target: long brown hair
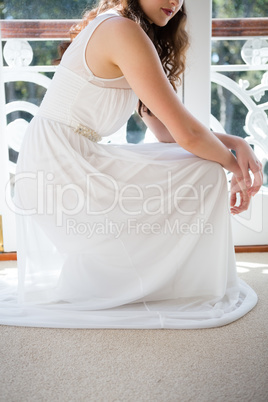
171 41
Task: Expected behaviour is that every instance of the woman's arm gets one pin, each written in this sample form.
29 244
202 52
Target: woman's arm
230 141
131 50
157 128
245 156
126 47
163 135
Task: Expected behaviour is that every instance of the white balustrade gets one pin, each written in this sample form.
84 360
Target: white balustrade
255 54
250 227
18 55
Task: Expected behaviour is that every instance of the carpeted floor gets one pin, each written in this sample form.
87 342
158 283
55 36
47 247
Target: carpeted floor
221 364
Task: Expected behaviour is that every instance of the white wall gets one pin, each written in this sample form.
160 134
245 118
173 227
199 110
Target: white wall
197 75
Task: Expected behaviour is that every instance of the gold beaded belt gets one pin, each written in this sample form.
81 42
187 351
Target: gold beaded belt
88 133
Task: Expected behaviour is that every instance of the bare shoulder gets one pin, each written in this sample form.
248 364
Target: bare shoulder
121 29
119 23
115 41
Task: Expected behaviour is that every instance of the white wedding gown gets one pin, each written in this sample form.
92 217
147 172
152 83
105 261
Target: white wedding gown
116 236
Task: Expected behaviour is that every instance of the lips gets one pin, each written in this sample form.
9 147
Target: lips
167 11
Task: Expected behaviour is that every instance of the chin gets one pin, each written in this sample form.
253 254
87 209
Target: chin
160 23
163 24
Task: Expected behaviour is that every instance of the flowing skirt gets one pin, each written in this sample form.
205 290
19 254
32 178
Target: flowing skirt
120 236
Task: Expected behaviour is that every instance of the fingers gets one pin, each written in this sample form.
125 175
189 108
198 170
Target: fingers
244 198
246 175
257 183
233 199
243 205
239 184
247 182
251 188
251 171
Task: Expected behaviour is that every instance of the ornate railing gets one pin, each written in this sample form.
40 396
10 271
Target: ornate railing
254 54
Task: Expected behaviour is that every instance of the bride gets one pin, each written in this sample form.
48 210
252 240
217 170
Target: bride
127 236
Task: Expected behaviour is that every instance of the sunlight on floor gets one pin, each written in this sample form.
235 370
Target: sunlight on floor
241 270
245 262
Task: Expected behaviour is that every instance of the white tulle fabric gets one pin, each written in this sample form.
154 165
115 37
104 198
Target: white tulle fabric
116 236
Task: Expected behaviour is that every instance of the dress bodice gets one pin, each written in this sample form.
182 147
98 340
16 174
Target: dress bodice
77 97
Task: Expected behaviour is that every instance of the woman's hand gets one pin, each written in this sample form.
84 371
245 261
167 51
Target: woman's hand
244 198
247 162
242 183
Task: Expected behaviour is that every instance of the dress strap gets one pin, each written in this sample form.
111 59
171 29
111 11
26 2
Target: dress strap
74 58
120 82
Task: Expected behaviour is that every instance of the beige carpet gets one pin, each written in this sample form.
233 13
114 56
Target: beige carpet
222 364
